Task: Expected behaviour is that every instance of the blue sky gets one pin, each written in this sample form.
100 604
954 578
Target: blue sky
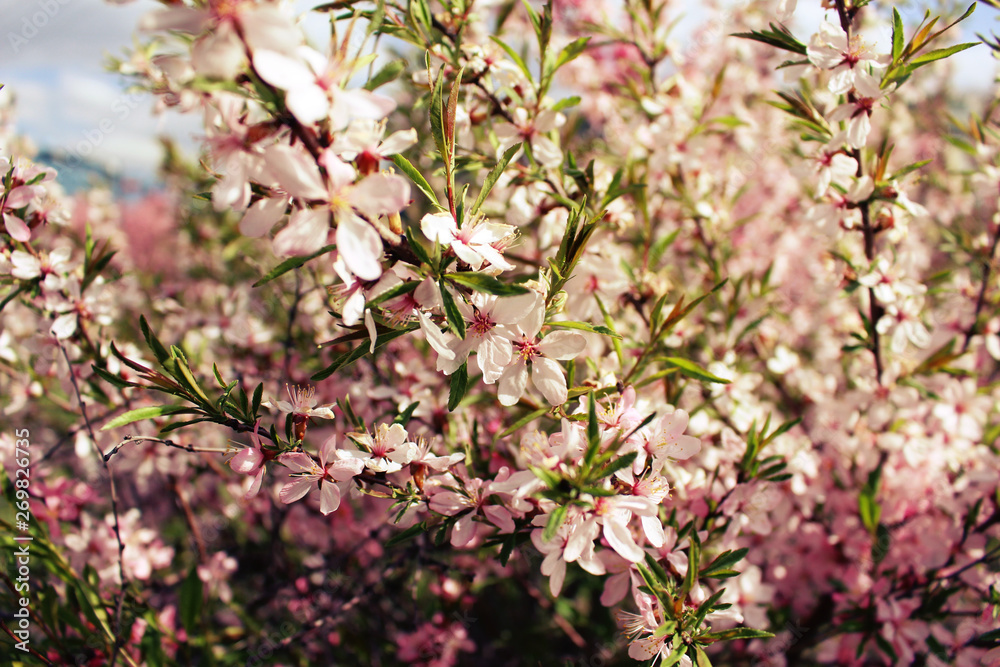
52 56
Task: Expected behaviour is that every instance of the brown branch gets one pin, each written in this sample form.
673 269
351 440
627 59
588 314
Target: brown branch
199 541
32 651
114 508
981 299
169 443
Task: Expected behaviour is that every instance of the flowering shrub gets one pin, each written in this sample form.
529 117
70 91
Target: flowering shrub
502 334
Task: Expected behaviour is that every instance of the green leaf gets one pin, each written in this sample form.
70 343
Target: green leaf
554 522
418 179
869 510
258 394
778 36
418 248
149 412
493 177
737 633
482 282
112 379
455 320
154 343
389 72
572 51
693 370
420 14
436 112
990 637
191 601
520 423
679 649
290 264
407 535
593 431
725 561
583 326
618 464
694 562
459 385
897 35
404 417
360 351
938 54
518 60
451 112
394 291
566 103
911 167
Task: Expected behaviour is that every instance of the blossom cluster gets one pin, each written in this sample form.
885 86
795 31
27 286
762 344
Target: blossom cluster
710 415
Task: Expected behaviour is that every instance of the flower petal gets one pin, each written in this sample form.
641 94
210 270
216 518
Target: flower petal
360 247
513 382
295 171
296 489
562 345
329 497
548 377
263 215
380 194
618 536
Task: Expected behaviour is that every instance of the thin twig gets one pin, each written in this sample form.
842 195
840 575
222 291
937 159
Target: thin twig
169 443
981 299
32 651
199 541
114 507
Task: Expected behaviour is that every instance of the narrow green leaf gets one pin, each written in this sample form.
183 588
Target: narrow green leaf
679 649
737 633
407 535
493 177
554 522
518 60
693 370
482 282
520 423
258 394
566 103
436 113
455 320
938 54
593 431
451 112
290 264
417 248
870 511
111 378
991 636
583 326
418 179
459 385
389 72
360 351
897 35
725 561
618 464
149 412
191 600
394 291
572 51
154 343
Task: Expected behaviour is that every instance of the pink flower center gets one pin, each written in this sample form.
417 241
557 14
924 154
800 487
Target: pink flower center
527 348
481 324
